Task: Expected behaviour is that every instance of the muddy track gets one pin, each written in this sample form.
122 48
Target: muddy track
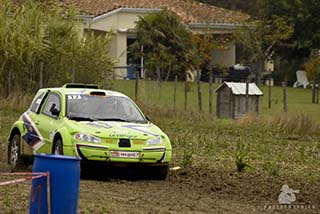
188 190
193 191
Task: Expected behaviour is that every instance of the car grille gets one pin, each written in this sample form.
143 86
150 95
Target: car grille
124 142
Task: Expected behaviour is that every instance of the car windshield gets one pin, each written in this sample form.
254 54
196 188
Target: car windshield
106 108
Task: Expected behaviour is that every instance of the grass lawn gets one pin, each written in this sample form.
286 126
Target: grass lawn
269 144
298 99
275 150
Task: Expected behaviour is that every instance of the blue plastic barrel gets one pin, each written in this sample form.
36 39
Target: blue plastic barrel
64 185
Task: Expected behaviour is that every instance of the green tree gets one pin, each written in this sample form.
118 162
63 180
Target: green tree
261 38
166 42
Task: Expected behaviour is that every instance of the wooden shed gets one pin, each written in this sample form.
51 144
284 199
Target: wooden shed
232 101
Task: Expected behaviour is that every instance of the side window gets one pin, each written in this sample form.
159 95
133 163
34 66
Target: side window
52 106
36 105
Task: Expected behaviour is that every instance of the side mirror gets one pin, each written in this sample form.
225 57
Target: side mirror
54 111
148 118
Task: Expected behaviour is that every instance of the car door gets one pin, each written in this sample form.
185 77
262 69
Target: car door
49 120
32 136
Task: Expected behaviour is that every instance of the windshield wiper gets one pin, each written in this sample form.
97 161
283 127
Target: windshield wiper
122 120
112 119
81 118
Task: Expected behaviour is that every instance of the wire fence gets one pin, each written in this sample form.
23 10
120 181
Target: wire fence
16 192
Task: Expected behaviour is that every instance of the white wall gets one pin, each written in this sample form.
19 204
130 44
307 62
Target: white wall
121 22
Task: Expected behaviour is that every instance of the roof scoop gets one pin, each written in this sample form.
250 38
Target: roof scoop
80 85
97 93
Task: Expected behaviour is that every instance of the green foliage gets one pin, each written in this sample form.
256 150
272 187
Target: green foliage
241 156
167 44
260 37
43 43
312 67
187 155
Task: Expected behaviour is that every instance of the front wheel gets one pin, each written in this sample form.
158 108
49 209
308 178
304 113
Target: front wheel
159 172
57 148
15 159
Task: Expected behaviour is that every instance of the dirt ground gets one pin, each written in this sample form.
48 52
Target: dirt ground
189 190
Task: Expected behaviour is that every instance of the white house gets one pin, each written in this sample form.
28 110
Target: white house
121 15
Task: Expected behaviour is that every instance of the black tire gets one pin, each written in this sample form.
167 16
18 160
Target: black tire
160 172
57 147
14 154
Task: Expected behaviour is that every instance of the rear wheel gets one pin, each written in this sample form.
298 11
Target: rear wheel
57 148
15 159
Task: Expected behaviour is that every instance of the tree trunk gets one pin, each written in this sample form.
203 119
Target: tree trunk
105 79
9 80
260 69
199 90
73 77
41 75
160 88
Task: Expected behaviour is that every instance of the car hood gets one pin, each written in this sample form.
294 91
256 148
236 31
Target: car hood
110 129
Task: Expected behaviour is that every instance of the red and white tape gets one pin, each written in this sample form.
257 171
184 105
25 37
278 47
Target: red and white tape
31 176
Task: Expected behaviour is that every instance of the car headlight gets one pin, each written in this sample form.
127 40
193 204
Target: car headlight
87 138
155 141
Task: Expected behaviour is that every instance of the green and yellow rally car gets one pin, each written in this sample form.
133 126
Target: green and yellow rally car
96 125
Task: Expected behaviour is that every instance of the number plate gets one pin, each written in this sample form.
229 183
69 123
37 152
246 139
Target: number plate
120 154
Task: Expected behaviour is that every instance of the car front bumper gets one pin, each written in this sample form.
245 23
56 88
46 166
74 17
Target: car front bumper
146 155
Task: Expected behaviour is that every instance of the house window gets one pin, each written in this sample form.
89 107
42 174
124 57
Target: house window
131 59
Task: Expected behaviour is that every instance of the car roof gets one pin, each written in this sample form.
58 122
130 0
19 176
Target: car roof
67 91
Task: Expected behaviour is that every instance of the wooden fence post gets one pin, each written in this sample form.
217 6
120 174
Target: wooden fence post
210 93
247 95
175 93
199 90
137 85
285 109
317 93
314 91
269 93
185 92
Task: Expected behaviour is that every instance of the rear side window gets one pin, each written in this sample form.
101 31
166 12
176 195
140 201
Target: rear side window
36 105
53 103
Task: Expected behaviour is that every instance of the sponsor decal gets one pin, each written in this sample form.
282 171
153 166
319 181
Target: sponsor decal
51 135
122 134
33 136
121 154
99 125
142 129
74 97
81 155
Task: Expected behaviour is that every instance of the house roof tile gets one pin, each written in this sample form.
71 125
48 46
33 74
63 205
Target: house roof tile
189 11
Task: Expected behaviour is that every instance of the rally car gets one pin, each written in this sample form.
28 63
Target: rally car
90 123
